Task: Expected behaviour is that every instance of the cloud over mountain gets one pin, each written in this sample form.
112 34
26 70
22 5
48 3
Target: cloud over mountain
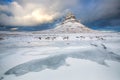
35 12
30 13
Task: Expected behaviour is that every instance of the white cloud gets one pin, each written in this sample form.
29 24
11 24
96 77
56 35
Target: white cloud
33 12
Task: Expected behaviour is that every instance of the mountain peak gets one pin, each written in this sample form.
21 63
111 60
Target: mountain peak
70 16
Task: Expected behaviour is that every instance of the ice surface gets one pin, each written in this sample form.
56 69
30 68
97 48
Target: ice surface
22 53
54 62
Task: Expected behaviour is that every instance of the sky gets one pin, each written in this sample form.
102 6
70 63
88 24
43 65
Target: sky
44 14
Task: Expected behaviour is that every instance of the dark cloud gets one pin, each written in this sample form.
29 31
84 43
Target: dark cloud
97 9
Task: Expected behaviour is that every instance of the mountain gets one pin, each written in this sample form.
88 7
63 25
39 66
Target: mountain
69 25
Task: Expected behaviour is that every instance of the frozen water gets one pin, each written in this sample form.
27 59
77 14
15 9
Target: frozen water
54 62
23 53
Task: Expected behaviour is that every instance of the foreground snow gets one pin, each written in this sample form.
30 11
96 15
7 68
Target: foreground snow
32 56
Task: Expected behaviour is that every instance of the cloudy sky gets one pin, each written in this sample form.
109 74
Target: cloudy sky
43 14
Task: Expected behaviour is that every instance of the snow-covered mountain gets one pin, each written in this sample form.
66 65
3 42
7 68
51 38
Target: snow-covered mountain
69 25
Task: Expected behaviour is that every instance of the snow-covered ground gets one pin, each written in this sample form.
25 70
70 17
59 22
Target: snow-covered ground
83 56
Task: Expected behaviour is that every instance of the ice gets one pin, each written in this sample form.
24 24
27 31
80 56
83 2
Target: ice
22 54
56 61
